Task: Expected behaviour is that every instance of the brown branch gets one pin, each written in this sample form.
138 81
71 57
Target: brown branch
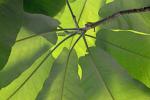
115 15
91 25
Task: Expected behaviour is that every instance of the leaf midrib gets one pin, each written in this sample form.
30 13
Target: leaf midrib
96 70
99 76
125 49
64 78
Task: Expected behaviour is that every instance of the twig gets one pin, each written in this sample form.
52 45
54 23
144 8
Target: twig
89 26
115 15
57 30
72 14
68 32
90 36
80 15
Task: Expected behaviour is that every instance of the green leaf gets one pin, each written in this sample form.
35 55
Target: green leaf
47 7
27 88
40 24
27 50
85 11
10 23
131 50
104 79
138 22
23 54
63 81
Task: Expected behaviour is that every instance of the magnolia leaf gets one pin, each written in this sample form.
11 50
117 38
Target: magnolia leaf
23 54
10 23
63 81
27 50
40 24
47 7
131 50
104 79
138 22
27 88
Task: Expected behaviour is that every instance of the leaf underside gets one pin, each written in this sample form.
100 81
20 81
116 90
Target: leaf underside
10 23
43 67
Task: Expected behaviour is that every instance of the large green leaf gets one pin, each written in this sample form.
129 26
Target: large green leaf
23 55
132 51
10 23
26 51
104 79
63 81
27 65
41 25
138 22
27 88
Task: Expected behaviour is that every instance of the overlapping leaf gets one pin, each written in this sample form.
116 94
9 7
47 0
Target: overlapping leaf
10 23
104 79
138 22
27 88
132 51
32 57
27 50
63 81
41 25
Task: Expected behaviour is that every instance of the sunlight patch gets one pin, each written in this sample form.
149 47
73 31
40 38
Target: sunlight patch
109 1
136 32
80 72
